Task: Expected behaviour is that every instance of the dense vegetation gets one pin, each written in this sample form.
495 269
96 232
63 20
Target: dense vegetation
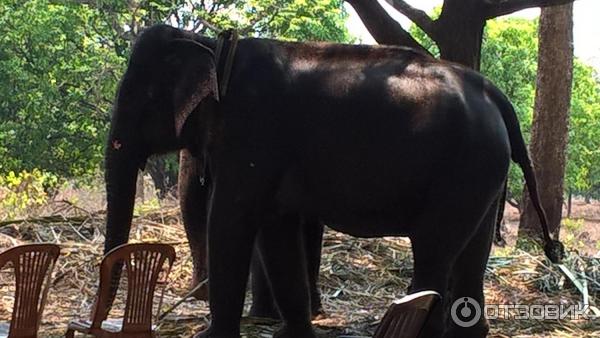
60 62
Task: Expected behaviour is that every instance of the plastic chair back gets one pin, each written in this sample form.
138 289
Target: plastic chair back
143 263
32 264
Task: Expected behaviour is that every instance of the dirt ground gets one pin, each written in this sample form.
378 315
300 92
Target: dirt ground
359 278
581 233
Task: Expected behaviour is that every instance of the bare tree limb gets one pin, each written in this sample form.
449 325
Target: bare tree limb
419 17
496 8
384 29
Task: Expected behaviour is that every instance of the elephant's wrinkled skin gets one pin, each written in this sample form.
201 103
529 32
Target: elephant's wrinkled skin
374 141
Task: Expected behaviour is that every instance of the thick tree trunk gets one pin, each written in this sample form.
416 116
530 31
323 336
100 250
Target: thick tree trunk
461 37
458 31
468 52
382 26
551 116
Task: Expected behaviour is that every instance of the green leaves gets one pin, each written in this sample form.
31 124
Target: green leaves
55 97
509 59
20 192
61 60
583 172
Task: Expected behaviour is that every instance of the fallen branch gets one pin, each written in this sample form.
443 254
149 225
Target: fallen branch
47 220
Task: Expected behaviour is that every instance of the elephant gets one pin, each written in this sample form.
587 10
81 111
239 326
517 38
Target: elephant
371 140
193 189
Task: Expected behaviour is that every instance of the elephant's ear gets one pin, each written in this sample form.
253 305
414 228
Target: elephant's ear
194 76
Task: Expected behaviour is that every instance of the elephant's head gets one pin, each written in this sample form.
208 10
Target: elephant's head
168 85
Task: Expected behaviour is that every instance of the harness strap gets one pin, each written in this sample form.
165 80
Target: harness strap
226 45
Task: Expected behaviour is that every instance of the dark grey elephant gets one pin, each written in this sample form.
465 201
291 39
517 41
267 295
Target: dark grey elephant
373 141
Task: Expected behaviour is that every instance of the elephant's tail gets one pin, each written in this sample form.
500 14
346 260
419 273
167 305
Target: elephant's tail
554 249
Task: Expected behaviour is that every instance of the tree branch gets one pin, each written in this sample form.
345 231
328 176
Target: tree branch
419 17
384 29
496 8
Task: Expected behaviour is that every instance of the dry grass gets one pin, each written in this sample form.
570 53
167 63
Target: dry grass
359 278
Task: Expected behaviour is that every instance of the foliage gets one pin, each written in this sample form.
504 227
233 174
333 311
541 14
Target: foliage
23 191
573 225
583 165
509 59
422 37
60 62
299 20
304 20
146 206
54 97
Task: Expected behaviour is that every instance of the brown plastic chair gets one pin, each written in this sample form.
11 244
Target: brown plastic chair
32 264
407 316
143 263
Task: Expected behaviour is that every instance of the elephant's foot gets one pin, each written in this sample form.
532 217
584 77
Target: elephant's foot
270 312
306 331
407 317
262 311
210 333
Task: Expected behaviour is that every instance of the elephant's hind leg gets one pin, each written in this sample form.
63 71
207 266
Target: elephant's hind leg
433 257
263 304
467 282
193 201
284 259
313 243
438 241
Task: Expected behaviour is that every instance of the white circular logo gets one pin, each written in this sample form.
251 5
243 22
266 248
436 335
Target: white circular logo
465 312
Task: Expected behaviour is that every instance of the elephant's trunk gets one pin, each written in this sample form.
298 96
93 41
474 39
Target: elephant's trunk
120 175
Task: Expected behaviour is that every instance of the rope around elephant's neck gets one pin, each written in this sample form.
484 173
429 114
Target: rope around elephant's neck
227 42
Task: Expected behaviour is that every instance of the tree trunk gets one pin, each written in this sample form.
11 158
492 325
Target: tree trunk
460 40
164 179
551 116
569 204
468 52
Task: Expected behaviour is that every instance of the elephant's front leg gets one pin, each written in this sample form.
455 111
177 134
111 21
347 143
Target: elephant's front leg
282 253
193 196
240 195
231 236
